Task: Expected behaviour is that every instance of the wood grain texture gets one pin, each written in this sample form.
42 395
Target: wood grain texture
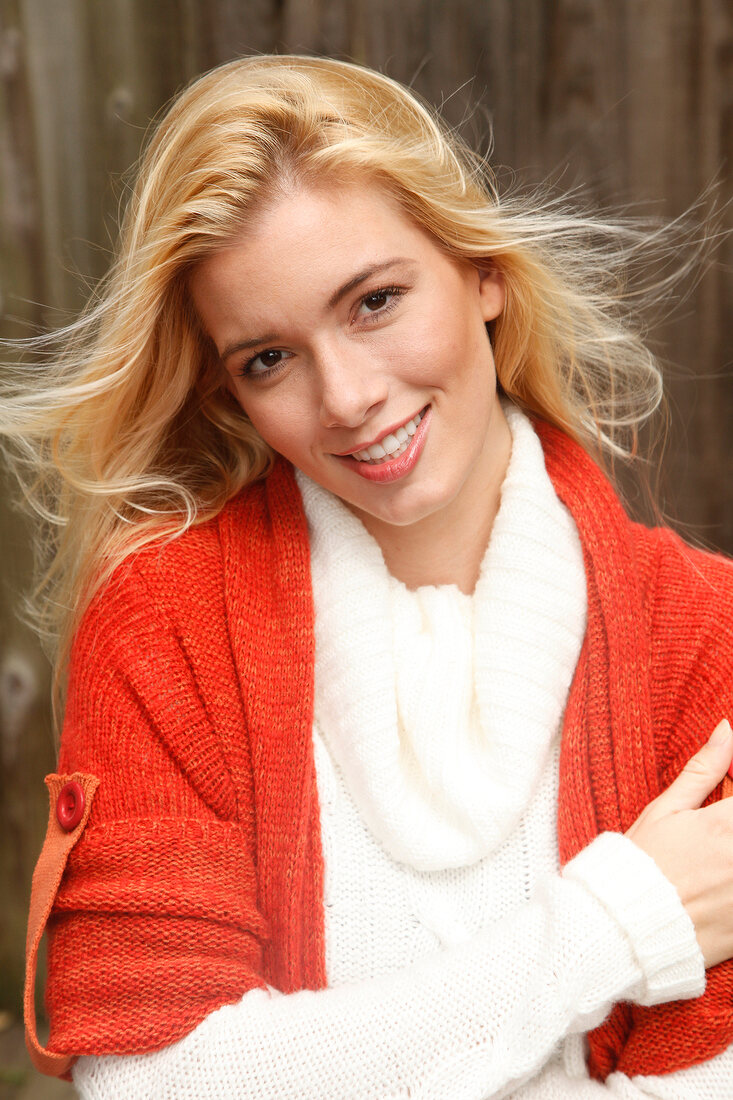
632 99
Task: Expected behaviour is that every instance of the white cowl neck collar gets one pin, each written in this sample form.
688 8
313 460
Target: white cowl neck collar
440 708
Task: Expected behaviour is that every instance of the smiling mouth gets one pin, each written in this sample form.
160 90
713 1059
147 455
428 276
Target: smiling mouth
392 446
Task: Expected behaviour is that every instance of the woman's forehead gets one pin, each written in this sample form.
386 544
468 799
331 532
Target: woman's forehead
320 236
310 208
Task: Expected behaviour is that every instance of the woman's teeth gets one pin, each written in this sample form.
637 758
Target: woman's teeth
392 446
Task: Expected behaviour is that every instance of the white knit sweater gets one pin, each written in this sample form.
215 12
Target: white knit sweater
461 962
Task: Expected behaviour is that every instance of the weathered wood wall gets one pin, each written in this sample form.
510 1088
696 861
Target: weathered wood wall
632 98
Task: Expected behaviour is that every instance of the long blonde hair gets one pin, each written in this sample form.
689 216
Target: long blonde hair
121 431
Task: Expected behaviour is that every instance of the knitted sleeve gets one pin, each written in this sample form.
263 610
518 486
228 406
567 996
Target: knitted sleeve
559 1081
469 1023
156 921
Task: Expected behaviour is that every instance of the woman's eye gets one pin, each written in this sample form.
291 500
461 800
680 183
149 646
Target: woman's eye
381 301
376 300
264 362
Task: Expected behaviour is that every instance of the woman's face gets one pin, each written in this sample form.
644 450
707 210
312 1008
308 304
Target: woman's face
358 349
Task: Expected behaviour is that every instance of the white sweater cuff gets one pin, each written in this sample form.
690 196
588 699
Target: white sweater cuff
644 903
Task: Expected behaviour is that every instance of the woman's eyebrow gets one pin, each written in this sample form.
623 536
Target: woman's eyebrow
373 269
245 345
336 297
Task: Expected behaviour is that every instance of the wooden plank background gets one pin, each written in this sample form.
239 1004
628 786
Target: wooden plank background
631 98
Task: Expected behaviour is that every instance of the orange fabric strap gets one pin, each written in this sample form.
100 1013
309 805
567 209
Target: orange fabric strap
60 839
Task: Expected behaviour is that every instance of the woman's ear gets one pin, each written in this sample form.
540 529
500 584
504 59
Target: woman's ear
492 292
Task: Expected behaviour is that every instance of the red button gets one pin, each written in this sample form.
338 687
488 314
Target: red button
70 805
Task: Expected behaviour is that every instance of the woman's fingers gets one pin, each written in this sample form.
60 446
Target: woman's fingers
693 847
700 775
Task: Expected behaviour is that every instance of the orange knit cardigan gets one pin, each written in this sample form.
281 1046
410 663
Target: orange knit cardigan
199 872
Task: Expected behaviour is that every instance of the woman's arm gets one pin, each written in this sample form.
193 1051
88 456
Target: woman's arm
558 1081
481 1020
473 1021
142 714
709 1081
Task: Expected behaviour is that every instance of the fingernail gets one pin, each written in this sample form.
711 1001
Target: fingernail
722 733
721 736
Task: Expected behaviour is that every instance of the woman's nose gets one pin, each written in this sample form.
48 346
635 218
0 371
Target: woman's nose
353 386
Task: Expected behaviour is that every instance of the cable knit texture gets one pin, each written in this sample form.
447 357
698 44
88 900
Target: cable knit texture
202 639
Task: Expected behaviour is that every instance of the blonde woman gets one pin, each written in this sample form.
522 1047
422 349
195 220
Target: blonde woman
372 774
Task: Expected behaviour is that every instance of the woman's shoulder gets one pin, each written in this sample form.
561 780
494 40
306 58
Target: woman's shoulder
178 571
162 601
164 580
187 596
151 668
674 599
688 604
170 652
688 585
656 553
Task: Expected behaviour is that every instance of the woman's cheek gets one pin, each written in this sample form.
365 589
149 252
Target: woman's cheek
286 428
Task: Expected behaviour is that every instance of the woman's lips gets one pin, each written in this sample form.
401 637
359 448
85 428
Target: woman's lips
395 468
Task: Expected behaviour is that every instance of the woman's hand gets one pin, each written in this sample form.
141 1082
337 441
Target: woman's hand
693 847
